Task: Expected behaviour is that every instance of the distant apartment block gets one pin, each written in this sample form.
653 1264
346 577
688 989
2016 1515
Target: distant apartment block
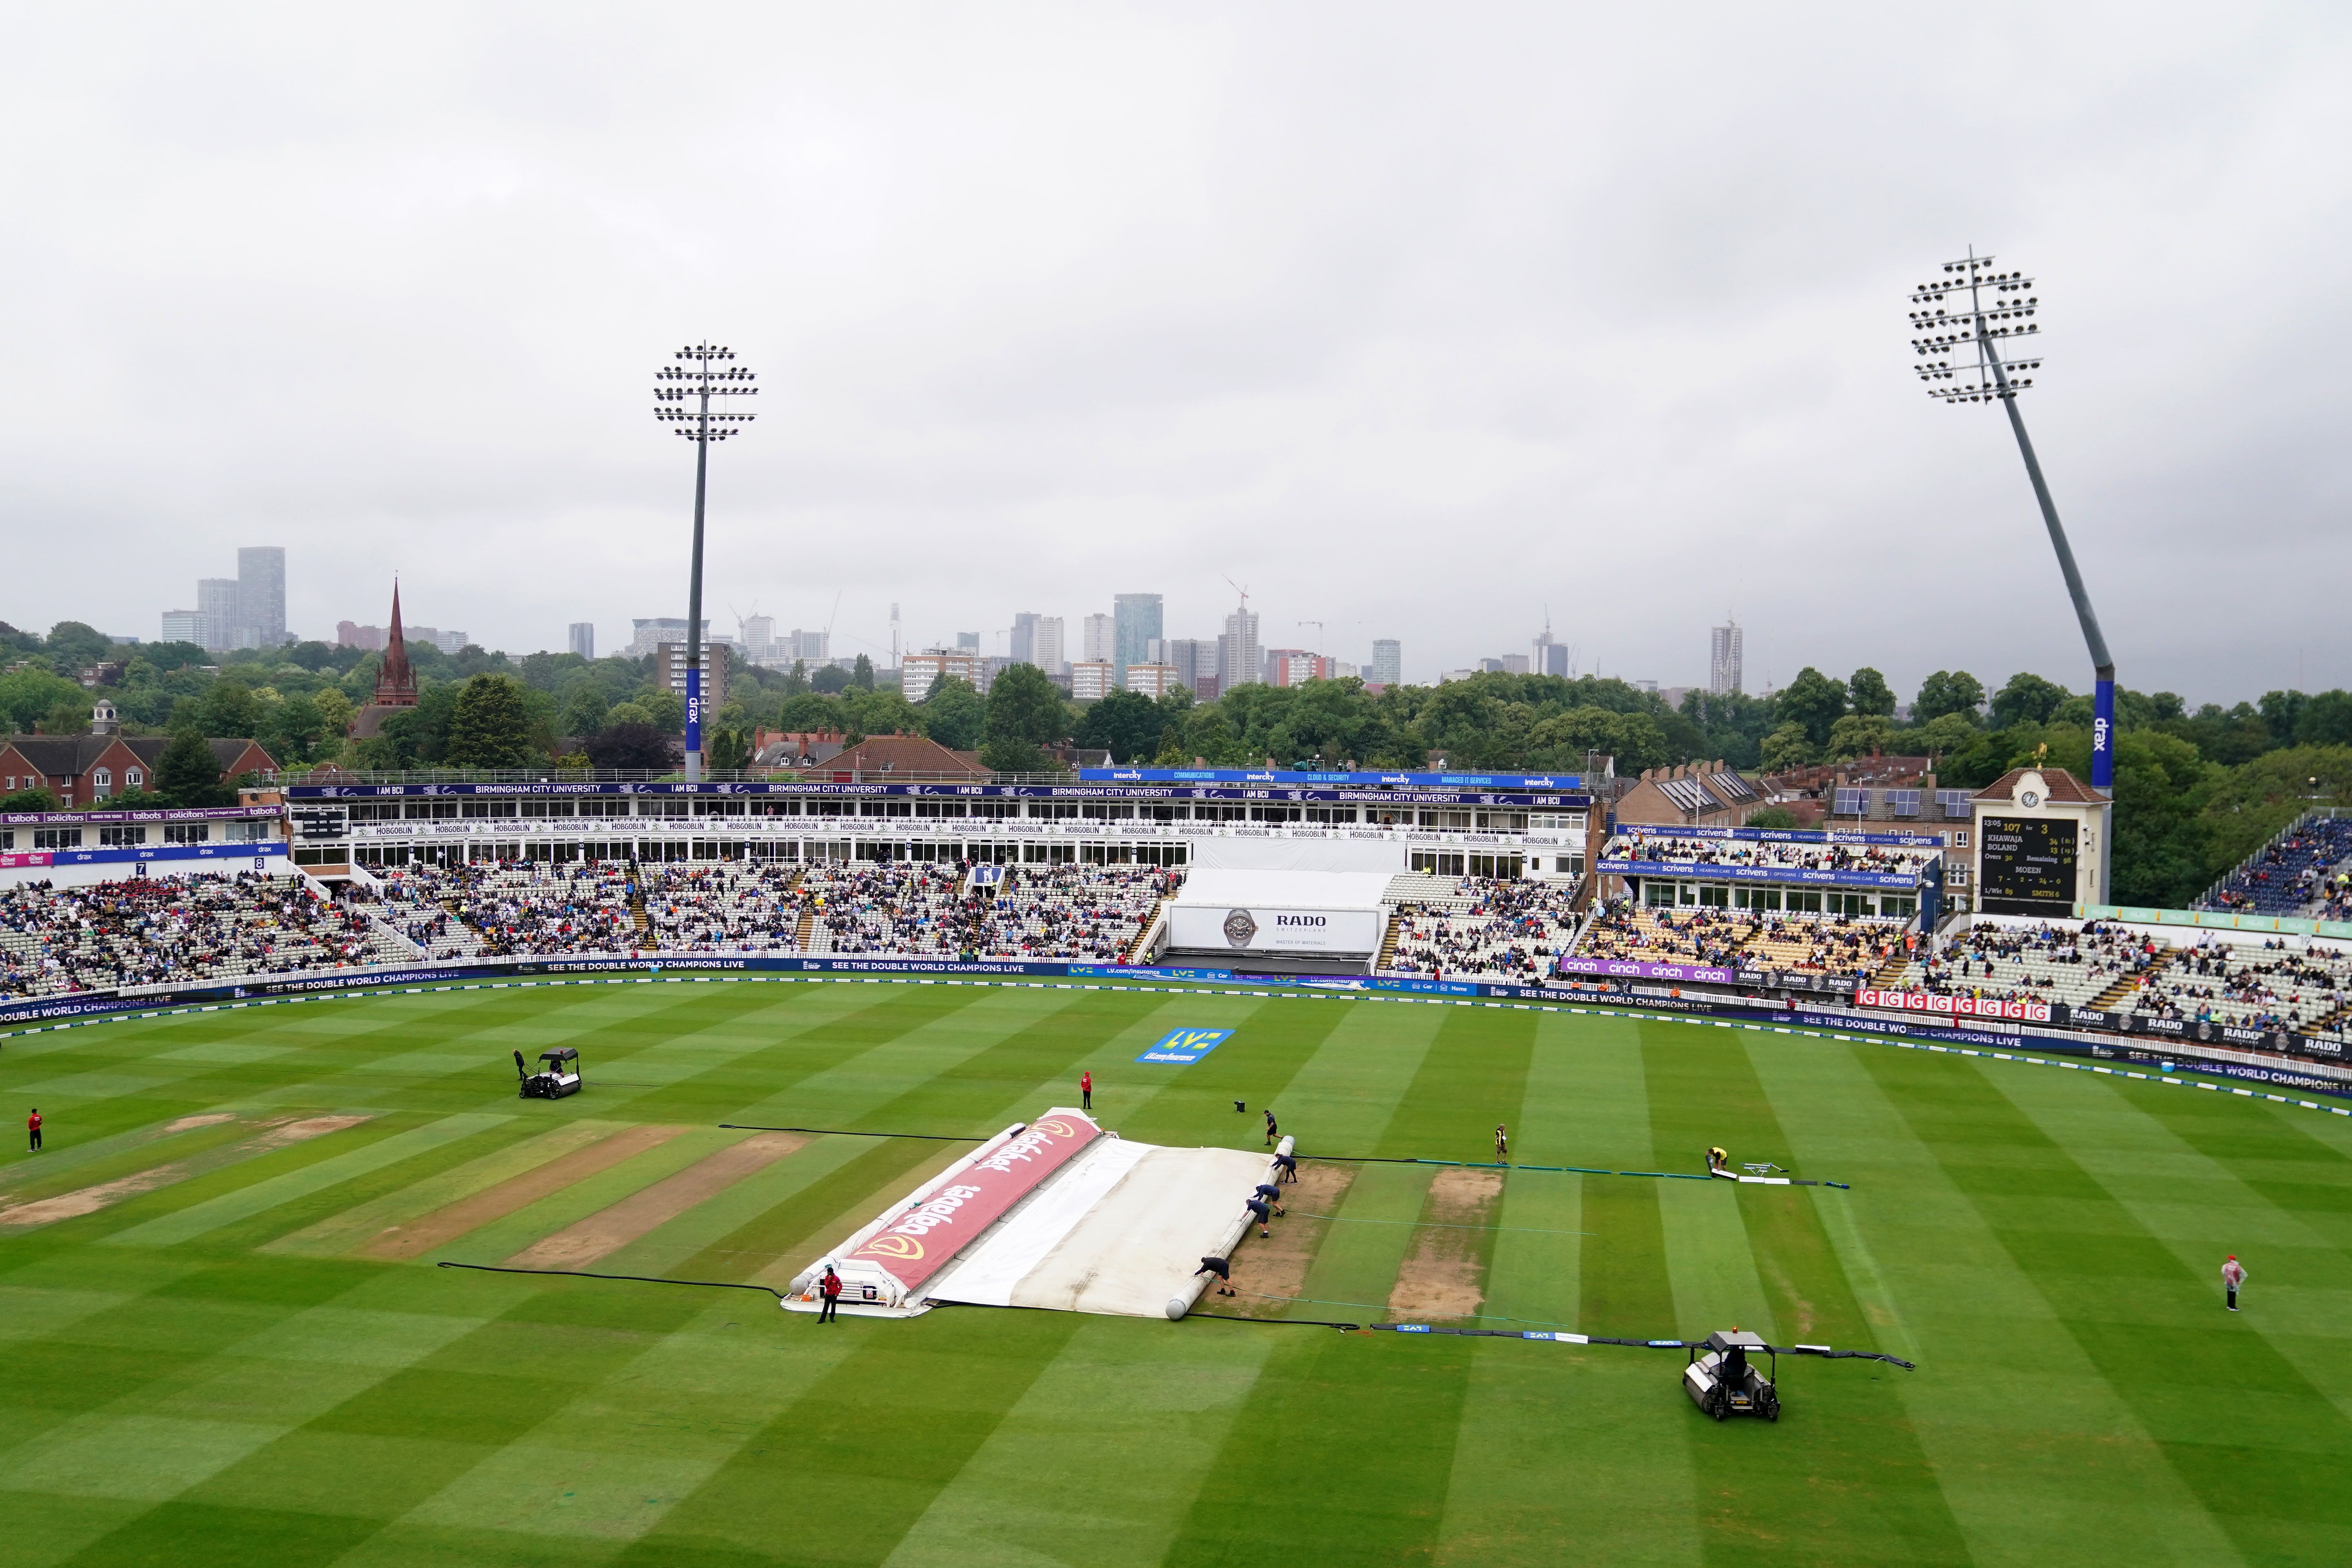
582 639
1091 679
1724 659
918 672
1153 680
1388 662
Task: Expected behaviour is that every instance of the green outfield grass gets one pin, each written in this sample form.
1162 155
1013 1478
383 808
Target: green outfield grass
221 1338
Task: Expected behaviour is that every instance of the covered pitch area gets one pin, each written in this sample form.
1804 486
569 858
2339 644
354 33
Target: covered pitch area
222 1338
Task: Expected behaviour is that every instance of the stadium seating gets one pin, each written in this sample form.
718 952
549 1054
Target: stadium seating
2302 872
728 907
1477 928
1697 854
2266 986
1085 912
1854 947
493 909
2080 966
162 930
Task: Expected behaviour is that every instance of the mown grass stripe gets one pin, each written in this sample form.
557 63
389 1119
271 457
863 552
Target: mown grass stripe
2121 1295
199 1219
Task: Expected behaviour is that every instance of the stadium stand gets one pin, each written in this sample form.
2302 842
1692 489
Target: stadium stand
2304 871
2082 966
1890 859
2269 986
729 906
156 931
1851 946
1067 911
1479 927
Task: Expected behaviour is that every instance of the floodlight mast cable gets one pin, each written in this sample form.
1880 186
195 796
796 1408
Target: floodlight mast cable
1977 334
682 395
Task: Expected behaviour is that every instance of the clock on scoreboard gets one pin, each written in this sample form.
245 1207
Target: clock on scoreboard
2025 866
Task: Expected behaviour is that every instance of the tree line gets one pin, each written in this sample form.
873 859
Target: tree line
2196 792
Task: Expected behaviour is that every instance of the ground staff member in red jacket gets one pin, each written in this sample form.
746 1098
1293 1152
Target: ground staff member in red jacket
830 1288
33 1128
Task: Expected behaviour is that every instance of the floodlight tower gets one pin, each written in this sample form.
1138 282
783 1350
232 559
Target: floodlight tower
1968 330
682 395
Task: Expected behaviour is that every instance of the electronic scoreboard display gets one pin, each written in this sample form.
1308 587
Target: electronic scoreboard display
2026 866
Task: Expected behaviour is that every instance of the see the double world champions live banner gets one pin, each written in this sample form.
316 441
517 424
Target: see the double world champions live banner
1186 1045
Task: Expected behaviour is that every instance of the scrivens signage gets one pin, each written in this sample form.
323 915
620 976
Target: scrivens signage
917 1241
1933 1003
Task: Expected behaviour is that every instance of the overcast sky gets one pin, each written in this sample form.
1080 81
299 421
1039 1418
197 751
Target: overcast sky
1418 322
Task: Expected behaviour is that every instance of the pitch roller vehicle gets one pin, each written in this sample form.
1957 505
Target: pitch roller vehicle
1724 1382
558 1075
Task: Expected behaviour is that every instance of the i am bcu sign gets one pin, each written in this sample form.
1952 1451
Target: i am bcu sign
1182 1046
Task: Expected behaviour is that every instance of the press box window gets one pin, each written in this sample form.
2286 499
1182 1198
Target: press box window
121 838
185 832
56 838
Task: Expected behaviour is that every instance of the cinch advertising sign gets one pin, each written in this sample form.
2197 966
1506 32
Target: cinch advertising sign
1185 1046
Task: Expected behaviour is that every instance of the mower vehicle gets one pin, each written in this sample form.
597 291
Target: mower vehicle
1724 1382
558 1076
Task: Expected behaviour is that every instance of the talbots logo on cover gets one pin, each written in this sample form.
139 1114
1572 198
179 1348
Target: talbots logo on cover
1186 1045
1239 927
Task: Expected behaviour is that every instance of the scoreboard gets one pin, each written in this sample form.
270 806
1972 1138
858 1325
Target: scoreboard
2026 866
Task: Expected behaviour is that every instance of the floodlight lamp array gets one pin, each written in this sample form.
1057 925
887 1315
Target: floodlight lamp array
682 393
1992 312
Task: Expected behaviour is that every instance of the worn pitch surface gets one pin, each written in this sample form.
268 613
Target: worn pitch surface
221 1338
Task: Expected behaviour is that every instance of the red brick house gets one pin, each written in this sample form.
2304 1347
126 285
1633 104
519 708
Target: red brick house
80 769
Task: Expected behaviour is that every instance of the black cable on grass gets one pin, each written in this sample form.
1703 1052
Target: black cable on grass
1294 1323
633 1279
844 1132
1570 1169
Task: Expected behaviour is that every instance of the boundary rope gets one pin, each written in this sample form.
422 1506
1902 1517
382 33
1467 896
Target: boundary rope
633 1279
844 1132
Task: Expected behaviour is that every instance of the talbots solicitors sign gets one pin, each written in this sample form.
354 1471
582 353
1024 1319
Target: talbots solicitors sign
1206 928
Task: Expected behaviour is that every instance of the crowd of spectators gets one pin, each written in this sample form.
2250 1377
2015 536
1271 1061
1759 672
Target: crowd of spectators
2077 965
1805 855
498 908
727 906
1508 928
1067 911
2272 986
1850 946
153 931
2306 871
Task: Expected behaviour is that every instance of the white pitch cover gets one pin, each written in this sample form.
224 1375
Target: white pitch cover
987 1274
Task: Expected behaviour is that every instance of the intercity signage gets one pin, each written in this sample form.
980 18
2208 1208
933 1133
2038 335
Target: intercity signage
1285 776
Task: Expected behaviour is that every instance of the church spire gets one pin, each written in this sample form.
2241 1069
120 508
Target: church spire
395 684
